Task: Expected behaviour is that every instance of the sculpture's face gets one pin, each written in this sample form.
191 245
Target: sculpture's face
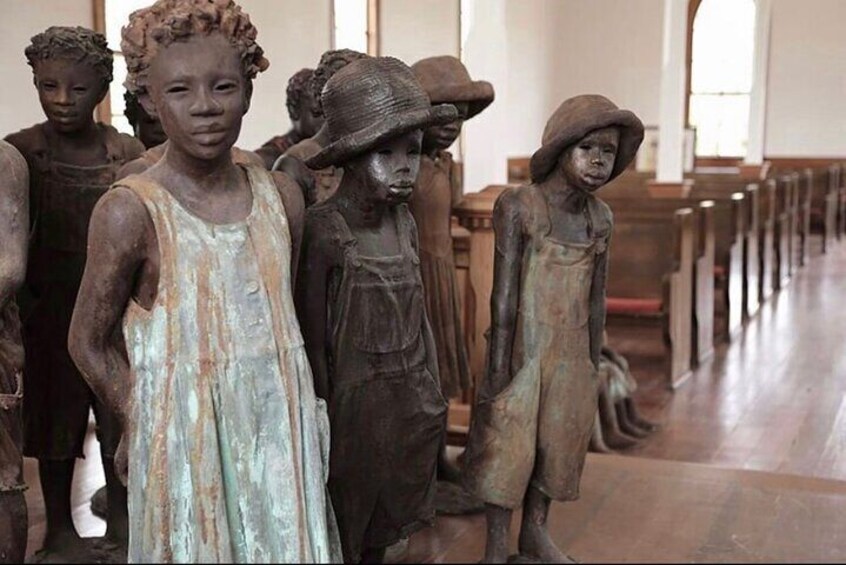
68 91
149 130
440 137
309 117
588 164
199 93
389 171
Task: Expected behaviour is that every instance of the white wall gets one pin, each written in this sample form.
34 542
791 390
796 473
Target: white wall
411 30
21 19
806 96
293 34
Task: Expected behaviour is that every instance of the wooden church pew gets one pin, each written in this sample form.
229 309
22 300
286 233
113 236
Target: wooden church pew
823 213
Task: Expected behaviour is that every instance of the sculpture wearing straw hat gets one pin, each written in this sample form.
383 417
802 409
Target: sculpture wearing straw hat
360 302
445 80
536 406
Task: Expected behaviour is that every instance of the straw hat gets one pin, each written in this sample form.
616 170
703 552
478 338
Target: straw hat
577 117
370 101
446 79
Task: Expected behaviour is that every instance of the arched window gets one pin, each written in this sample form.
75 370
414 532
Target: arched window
721 54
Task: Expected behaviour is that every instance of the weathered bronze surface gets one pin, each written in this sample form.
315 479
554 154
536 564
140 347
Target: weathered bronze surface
306 118
360 300
72 161
14 228
536 406
225 447
148 130
317 184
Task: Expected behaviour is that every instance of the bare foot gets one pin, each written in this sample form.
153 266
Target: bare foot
535 544
597 444
618 440
66 548
630 429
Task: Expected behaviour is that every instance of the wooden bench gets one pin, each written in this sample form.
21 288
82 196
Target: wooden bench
651 277
823 213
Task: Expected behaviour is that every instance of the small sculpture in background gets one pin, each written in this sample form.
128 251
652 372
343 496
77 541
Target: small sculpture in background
306 118
360 302
536 407
148 129
14 229
72 162
317 184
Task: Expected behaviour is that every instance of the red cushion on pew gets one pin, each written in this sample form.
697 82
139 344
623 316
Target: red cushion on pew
719 271
633 306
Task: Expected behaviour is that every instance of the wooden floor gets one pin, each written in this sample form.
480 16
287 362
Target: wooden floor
750 464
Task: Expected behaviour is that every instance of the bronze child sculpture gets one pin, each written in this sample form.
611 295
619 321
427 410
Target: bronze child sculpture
72 161
306 118
148 130
226 445
438 189
317 184
360 299
14 228
536 406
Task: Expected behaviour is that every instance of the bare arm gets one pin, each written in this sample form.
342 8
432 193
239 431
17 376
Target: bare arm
597 306
299 173
505 297
311 296
118 243
14 221
292 199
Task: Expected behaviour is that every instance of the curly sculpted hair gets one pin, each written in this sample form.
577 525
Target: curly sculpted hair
330 63
75 43
169 21
297 85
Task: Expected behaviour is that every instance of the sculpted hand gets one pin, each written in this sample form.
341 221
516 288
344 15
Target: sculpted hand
122 460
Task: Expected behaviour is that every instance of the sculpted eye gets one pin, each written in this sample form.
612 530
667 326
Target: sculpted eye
80 89
585 147
385 152
177 89
225 87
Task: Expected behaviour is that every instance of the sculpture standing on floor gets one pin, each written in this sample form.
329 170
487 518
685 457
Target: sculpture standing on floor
226 445
72 161
536 405
306 118
317 184
360 299
148 130
14 228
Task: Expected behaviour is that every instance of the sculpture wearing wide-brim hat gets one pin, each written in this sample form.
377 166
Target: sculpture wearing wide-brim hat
370 101
360 299
575 118
446 80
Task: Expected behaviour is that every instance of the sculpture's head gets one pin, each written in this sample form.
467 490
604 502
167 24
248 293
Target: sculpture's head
72 69
146 128
306 117
589 141
446 80
330 63
191 63
376 112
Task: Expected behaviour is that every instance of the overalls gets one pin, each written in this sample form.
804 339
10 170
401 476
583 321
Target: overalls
536 431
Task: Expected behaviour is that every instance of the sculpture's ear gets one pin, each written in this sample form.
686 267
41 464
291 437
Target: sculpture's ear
248 95
146 102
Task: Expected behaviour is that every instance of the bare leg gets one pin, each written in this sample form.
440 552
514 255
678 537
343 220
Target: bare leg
373 555
13 527
636 418
499 524
535 542
614 438
597 444
626 426
56 480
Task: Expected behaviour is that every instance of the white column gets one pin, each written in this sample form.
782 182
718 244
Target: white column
758 95
671 116
484 51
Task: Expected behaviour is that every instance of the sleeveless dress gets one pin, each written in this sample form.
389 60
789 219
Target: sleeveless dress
431 204
536 431
228 443
387 411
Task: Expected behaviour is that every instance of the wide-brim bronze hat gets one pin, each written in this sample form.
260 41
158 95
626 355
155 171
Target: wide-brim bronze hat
370 101
575 118
446 80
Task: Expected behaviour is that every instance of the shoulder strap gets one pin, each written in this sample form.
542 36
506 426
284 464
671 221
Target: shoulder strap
539 223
